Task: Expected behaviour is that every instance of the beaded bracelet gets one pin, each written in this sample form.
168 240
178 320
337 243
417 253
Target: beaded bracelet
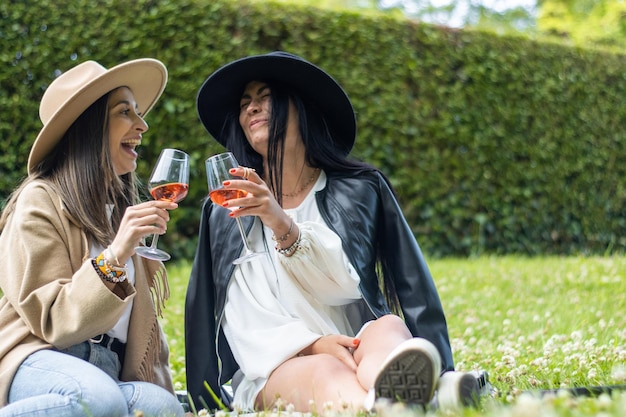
286 235
108 272
289 251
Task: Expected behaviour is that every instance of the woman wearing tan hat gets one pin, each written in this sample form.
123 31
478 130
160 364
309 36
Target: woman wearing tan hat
78 320
308 322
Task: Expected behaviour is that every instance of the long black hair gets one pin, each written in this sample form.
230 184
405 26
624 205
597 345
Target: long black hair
322 150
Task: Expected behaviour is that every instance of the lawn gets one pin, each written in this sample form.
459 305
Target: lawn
531 323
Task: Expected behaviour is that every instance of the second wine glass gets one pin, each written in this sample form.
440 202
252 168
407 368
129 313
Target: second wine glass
218 170
169 182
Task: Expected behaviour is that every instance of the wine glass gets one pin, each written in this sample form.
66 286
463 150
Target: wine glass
169 182
217 171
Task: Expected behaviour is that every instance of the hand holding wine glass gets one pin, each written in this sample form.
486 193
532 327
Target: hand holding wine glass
169 182
218 170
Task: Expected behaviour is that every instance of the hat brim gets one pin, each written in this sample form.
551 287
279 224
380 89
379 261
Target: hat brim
222 90
145 77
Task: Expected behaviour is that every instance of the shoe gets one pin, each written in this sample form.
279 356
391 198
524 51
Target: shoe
457 390
410 373
486 389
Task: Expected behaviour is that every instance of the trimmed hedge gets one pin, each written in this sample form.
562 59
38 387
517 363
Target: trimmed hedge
494 144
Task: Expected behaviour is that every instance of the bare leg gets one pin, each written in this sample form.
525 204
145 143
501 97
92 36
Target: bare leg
322 378
377 341
308 382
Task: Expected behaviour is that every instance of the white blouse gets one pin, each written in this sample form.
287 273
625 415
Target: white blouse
120 330
276 305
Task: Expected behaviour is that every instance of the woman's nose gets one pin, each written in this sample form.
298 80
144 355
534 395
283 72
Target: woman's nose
141 124
254 106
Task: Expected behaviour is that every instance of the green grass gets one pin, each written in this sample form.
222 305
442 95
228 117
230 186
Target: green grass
532 323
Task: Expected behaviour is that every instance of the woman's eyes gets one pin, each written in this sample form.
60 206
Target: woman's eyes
263 98
127 112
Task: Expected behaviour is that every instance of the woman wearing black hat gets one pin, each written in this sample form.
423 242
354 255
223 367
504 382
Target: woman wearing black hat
307 322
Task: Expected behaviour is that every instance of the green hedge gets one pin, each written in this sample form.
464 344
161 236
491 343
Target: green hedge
494 144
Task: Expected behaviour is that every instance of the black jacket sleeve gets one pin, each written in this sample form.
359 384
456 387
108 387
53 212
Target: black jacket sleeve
208 356
200 353
403 261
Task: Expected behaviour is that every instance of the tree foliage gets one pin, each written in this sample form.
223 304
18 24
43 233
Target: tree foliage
598 23
586 23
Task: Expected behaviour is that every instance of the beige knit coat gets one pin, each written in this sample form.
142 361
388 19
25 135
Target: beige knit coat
54 297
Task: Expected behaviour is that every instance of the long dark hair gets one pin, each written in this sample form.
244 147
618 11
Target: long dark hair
322 150
81 171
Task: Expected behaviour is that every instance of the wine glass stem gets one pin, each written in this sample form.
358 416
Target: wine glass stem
243 234
155 239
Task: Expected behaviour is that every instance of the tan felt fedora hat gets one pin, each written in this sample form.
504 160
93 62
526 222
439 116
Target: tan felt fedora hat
72 92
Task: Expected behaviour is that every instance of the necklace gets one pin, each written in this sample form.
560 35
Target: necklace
305 186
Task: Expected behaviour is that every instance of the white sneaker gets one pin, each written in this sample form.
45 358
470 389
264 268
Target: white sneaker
456 390
410 373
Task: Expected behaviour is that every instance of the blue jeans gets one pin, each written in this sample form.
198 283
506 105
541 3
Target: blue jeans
83 381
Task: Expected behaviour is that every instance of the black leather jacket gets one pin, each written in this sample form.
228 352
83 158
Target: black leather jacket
363 211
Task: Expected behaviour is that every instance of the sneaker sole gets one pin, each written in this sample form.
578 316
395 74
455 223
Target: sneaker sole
410 375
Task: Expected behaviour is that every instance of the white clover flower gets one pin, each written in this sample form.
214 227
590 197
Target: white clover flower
592 374
328 406
278 405
527 406
509 360
604 401
618 373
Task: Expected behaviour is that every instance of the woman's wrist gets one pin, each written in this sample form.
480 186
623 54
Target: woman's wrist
281 238
290 246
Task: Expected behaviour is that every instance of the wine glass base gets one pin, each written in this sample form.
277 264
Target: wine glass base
151 253
249 256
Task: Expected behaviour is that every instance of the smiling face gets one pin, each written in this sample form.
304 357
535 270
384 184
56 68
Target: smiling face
254 114
125 129
255 110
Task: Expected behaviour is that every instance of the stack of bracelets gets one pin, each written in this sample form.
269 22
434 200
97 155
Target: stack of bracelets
292 248
288 251
107 270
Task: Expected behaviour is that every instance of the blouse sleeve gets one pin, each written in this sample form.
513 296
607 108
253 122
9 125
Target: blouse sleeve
320 266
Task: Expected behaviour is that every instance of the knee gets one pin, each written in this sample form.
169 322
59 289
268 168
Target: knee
389 323
102 398
151 400
391 320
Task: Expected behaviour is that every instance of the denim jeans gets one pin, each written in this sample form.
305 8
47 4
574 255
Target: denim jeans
82 381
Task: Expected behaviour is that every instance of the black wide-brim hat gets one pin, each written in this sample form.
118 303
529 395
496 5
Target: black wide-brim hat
221 92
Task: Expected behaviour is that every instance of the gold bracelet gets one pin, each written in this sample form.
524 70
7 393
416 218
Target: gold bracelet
286 235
